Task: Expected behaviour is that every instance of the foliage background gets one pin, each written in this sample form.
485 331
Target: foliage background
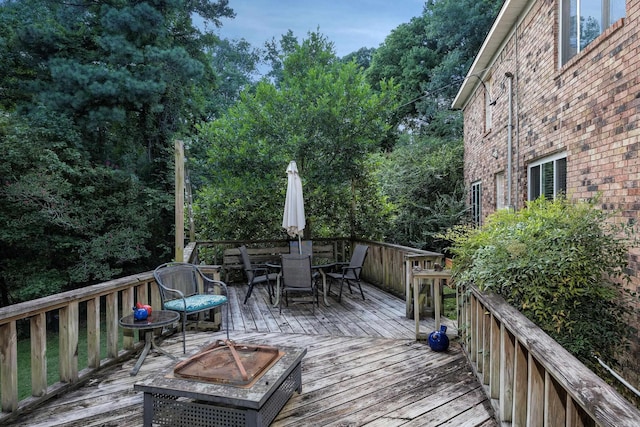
563 265
92 96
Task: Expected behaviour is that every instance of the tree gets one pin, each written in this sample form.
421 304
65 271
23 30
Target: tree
459 28
123 71
322 114
429 57
362 57
406 56
422 179
60 228
276 52
236 65
93 95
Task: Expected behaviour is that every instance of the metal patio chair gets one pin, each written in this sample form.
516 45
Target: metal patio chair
350 272
297 278
257 274
178 283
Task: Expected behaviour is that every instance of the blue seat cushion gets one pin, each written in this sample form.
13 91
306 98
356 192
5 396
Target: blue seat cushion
196 303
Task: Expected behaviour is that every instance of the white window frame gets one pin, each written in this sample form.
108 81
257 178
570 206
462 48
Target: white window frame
535 171
610 12
476 203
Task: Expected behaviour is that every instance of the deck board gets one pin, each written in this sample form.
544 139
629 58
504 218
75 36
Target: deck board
363 367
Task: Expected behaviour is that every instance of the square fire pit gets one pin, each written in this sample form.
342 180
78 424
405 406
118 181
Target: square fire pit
211 388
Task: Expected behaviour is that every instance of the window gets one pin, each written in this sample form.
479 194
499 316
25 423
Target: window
548 177
500 194
476 203
594 17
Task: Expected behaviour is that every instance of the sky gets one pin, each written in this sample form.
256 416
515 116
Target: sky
349 24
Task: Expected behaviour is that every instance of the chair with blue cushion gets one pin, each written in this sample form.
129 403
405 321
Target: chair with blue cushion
179 285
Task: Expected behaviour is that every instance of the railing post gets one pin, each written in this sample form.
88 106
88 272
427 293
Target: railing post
535 393
507 362
9 366
38 325
486 345
93 333
495 356
520 388
473 329
555 397
69 342
127 304
112 324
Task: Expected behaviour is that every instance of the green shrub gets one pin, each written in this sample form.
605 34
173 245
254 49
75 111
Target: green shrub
562 264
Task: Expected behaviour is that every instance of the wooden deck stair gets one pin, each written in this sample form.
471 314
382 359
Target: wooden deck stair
363 367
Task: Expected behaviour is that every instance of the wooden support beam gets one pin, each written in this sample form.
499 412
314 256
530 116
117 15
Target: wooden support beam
179 200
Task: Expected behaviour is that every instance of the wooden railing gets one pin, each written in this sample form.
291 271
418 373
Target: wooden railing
531 379
100 306
384 265
216 251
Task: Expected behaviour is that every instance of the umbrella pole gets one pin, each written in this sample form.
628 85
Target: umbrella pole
300 244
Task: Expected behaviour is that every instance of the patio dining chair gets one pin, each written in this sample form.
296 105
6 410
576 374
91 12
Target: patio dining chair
297 278
304 247
257 274
178 283
350 272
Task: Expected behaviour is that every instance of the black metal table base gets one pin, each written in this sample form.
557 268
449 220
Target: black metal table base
149 345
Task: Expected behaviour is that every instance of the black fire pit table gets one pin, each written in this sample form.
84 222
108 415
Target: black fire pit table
171 400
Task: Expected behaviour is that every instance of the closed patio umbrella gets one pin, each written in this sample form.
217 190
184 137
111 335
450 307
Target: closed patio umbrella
293 219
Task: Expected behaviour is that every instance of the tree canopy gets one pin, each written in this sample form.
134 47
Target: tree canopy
92 96
429 57
324 115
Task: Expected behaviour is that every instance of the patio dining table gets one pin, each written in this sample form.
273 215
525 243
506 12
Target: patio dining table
319 267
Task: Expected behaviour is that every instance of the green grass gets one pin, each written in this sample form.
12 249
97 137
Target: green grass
449 307
53 371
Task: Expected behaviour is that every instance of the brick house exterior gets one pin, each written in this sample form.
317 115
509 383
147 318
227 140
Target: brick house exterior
561 106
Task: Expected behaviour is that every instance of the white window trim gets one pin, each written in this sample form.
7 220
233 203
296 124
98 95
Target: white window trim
476 218
605 23
549 159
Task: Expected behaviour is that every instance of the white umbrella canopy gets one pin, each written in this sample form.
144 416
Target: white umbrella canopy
293 219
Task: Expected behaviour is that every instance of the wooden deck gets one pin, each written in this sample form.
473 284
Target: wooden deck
363 367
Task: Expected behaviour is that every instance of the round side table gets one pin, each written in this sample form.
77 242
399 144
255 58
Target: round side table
157 319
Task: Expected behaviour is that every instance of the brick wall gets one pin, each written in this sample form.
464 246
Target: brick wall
588 108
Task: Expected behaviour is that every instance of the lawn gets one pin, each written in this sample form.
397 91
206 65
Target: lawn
24 357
